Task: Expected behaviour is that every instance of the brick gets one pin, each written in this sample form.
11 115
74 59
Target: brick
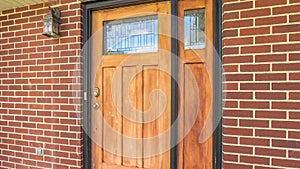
20 21
294 18
238 59
231 15
256 49
255 13
294 37
239 95
270 152
238 23
7 23
230 86
294 95
75 6
3 18
294 134
67 53
230 33
36 18
262 3
270 114
255 86
286 86
232 50
285 47
21 45
294 154
254 104
28 13
238 149
286 9
8 11
21 33
237 6
36 6
229 139
231 104
286 105
254 31
68 40
270 77
237 131
232 165
270 39
270 58
229 122
254 123
255 141
229 157
20 9
286 144
294 56
68 13
270 95
255 68
254 160
286 28
239 77
237 41
286 124
238 113
15 27
14 16
270 133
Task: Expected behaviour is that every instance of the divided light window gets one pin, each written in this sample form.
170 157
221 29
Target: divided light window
194 29
131 35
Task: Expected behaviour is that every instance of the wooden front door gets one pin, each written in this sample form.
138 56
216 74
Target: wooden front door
134 98
131 68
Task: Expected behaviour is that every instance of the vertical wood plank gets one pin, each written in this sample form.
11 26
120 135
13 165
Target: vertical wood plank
150 109
131 127
112 118
196 155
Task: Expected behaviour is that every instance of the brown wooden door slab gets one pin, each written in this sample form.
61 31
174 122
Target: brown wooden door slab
130 107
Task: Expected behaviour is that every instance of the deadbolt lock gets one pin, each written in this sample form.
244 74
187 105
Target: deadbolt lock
96 106
96 92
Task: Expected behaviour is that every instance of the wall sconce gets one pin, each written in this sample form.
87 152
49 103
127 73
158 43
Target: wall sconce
51 23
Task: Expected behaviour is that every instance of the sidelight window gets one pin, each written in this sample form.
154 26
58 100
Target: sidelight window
194 29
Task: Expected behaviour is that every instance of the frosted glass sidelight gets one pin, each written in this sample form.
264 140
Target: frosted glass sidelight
194 29
131 35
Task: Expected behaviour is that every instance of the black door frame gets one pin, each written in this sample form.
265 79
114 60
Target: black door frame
90 6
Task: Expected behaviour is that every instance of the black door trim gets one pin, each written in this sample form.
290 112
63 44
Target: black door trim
174 85
88 7
217 84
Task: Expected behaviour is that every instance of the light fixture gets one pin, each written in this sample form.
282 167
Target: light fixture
51 23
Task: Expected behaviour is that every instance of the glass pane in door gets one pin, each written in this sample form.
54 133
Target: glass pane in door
131 35
194 29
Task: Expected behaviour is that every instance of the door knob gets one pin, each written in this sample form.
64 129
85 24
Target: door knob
96 106
96 92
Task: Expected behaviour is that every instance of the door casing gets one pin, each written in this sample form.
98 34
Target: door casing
90 6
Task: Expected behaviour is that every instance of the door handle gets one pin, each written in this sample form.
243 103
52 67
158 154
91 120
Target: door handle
96 92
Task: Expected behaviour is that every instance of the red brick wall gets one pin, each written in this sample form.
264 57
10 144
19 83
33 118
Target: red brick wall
262 69
40 88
